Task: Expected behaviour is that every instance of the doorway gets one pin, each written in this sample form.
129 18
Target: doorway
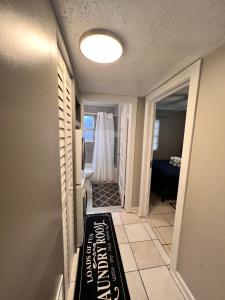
124 155
187 78
101 133
167 146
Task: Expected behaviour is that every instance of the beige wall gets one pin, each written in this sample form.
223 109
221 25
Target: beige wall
201 260
138 151
31 255
171 134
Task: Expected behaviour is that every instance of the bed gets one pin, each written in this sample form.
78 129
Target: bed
165 179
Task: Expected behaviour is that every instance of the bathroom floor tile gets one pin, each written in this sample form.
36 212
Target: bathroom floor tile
121 234
162 251
158 220
135 286
166 233
150 231
128 260
170 218
144 220
160 285
165 208
167 249
158 235
116 218
146 255
136 232
154 210
129 218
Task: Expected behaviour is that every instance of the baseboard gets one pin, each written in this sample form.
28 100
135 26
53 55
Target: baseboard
59 294
182 285
135 209
73 275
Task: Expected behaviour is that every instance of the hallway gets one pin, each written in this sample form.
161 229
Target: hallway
145 261
146 66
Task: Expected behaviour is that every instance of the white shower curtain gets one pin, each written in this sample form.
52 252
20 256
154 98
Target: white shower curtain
103 157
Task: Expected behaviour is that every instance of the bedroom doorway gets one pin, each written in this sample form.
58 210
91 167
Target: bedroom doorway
167 146
189 80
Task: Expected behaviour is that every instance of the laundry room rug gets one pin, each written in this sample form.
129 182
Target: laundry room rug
100 273
105 194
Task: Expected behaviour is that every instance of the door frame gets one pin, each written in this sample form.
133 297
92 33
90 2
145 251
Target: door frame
132 102
190 76
119 159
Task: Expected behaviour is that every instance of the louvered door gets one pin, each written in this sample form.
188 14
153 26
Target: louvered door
66 165
69 160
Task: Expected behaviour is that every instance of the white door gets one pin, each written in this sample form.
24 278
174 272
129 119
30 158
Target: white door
66 165
124 121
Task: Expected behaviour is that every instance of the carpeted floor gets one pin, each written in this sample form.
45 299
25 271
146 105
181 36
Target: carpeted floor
105 194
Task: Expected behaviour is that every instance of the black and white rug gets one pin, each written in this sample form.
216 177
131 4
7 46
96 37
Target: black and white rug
105 194
173 204
100 272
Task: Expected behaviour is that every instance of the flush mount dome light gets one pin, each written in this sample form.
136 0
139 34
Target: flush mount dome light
101 46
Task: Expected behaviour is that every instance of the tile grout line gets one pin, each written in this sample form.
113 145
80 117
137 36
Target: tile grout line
125 232
135 262
139 273
138 269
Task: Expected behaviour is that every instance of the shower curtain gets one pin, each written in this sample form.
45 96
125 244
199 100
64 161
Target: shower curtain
103 157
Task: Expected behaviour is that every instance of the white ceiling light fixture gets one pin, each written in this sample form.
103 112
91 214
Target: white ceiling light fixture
101 46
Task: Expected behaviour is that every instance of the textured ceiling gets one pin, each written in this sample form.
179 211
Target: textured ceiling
160 37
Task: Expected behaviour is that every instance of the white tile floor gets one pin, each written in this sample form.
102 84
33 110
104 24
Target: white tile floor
160 285
145 252
145 248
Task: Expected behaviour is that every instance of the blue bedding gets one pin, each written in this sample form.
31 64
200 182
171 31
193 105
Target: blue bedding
165 171
165 178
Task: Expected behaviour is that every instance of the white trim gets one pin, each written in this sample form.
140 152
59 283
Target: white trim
132 101
64 53
182 285
147 153
73 275
59 294
135 209
189 76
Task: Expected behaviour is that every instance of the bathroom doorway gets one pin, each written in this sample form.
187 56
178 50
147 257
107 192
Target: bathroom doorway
111 181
